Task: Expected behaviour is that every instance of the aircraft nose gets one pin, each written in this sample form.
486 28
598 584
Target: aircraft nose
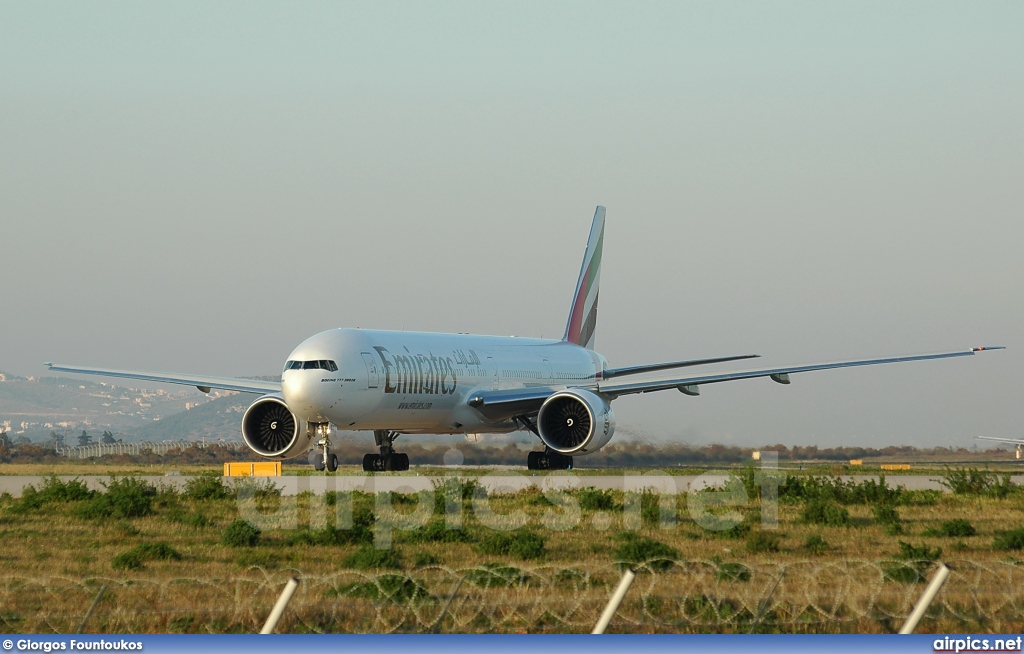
299 388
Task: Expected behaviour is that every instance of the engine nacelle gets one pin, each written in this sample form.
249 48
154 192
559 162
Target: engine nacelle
271 430
575 422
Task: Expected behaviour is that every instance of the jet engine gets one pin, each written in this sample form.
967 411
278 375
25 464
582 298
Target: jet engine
575 421
271 430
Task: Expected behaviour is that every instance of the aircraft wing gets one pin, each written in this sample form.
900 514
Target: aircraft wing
502 405
203 383
506 404
689 385
654 367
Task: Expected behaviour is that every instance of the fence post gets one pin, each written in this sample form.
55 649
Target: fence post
764 605
613 603
437 625
92 608
922 604
282 602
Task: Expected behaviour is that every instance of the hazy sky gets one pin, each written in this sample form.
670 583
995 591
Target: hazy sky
198 187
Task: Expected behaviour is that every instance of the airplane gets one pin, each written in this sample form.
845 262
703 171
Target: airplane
1016 441
405 383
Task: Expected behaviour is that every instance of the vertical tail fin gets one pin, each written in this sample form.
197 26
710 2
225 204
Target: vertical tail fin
583 316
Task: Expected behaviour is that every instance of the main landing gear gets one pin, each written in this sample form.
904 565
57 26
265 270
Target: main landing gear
388 459
548 460
326 458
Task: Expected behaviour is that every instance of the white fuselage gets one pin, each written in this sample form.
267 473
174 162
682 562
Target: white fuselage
418 382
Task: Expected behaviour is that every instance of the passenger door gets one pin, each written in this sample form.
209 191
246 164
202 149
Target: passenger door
372 371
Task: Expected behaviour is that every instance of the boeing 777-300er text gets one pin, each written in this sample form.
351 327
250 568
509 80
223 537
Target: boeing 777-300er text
397 383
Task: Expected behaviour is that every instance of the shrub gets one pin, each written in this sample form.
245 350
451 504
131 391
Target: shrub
640 550
53 491
763 541
1009 540
492 575
911 563
455 487
436 531
953 529
397 589
206 487
369 557
249 558
95 509
797 488
887 516
126 497
197 520
815 544
733 572
332 536
159 550
737 531
902 572
129 560
971 481
240 534
651 510
520 544
256 488
825 512
134 558
421 559
592 499
923 497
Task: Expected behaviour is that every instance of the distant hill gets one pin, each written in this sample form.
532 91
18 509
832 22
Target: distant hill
216 420
36 406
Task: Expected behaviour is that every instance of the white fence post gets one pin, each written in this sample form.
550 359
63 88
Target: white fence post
613 603
282 602
922 604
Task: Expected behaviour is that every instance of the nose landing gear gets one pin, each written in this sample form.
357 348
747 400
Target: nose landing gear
388 459
326 458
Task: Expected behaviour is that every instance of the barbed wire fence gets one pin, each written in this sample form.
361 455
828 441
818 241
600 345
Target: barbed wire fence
667 596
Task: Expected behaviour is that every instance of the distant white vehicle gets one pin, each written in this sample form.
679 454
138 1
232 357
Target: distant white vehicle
397 383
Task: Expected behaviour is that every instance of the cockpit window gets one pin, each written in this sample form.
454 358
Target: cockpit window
322 364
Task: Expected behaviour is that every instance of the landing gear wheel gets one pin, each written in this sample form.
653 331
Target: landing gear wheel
548 460
388 459
332 462
399 461
533 460
317 459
